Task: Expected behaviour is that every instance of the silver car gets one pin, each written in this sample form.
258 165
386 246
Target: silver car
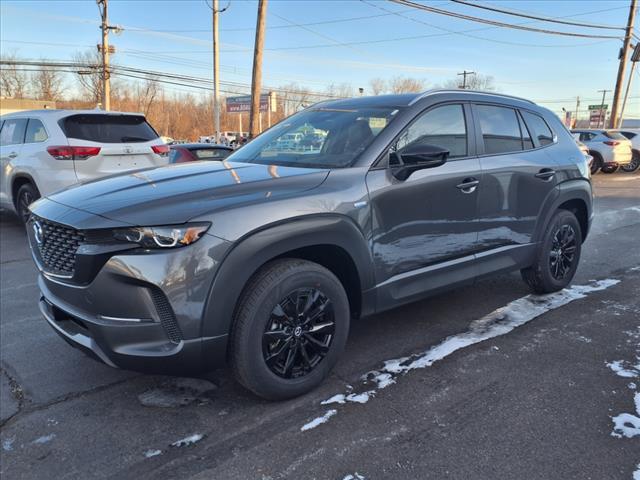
609 149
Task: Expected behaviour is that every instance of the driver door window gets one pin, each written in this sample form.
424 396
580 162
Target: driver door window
442 127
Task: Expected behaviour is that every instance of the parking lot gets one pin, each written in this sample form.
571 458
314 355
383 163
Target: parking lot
496 385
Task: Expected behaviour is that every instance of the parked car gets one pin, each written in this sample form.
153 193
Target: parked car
43 151
192 152
609 149
262 260
585 151
633 134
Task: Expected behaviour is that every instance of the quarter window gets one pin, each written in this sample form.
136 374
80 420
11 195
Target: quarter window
442 126
527 143
539 128
500 129
13 131
35 132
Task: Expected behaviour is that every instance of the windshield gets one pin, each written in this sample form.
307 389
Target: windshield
317 138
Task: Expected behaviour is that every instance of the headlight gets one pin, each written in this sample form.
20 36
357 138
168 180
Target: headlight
170 236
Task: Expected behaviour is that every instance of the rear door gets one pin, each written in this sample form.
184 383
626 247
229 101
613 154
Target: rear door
126 143
517 174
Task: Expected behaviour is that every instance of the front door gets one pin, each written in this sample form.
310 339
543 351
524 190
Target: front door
427 221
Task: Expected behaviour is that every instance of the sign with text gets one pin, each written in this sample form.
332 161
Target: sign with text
599 107
242 104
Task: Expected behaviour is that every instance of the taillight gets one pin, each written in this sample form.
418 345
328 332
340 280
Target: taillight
162 150
66 152
611 143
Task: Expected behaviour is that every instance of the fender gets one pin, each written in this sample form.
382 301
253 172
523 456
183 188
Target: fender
255 249
16 177
575 189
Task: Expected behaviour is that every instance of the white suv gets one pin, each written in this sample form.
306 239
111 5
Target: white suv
43 151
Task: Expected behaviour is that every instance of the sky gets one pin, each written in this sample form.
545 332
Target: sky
376 39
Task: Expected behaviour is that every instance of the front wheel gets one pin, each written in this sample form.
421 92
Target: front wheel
557 255
633 166
290 328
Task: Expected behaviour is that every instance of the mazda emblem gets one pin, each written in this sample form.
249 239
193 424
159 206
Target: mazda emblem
38 233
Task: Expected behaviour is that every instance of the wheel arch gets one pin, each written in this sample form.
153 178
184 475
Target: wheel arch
333 241
574 196
18 180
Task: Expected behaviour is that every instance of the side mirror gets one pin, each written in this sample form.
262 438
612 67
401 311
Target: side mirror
417 157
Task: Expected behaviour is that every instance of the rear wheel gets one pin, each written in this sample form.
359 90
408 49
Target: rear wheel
27 194
290 328
635 163
597 162
557 256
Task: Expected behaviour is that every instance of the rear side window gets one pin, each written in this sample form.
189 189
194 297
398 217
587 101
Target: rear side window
211 153
500 129
629 135
13 131
538 128
108 128
35 132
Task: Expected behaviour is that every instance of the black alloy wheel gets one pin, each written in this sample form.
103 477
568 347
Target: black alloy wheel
563 252
299 333
635 163
27 194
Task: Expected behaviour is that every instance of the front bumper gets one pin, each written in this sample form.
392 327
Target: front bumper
142 311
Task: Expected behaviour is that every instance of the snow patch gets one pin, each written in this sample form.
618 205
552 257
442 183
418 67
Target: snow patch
7 445
632 386
636 474
621 370
152 453
626 425
319 420
357 476
190 440
44 439
495 324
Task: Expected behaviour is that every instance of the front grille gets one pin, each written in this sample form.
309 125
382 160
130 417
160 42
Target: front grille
58 246
167 317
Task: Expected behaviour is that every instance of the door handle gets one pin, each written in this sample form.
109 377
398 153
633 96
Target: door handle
546 174
12 155
468 185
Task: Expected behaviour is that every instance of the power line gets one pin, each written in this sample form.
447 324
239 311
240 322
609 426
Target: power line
448 13
535 17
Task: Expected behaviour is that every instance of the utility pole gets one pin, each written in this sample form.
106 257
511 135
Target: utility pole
635 58
464 78
613 122
603 110
216 72
256 81
577 109
106 82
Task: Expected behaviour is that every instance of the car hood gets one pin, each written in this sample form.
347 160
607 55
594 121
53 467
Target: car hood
178 193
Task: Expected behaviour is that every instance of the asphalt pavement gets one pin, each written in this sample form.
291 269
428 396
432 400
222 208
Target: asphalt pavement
482 382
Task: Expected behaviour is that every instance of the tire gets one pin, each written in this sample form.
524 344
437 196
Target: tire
266 328
547 275
597 162
27 194
609 169
635 163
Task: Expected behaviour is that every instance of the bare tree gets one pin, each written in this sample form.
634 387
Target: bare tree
47 83
294 97
378 85
146 94
89 73
342 90
14 82
474 82
406 85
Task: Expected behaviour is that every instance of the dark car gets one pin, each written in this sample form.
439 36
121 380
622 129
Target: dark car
261 261
192 152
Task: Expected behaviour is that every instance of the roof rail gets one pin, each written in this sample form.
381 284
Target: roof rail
457 90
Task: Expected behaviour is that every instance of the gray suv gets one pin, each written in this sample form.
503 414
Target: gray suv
346 209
